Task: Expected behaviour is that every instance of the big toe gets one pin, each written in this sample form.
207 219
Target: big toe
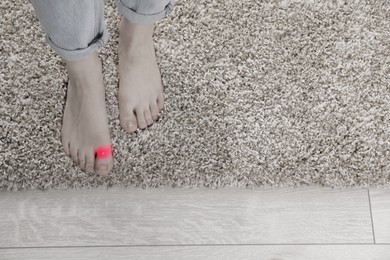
103 161
103 166
129 123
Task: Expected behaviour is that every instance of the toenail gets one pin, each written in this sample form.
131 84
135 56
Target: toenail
89 168
130 125
103 167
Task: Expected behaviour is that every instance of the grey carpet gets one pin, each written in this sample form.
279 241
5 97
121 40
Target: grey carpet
258 94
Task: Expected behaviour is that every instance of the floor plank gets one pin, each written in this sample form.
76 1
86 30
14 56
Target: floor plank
380 204
184 217
247 252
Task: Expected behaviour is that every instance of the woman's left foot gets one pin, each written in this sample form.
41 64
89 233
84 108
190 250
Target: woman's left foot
140 87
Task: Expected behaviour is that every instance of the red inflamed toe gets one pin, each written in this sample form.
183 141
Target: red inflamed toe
103 152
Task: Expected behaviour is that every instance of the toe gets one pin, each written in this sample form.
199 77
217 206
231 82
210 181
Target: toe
66 145
148 117
103 166
141 118
81 157
129 123
73 154
90 163
160 102
154 109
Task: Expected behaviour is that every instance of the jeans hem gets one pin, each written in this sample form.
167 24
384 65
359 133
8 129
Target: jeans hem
134 17
79 54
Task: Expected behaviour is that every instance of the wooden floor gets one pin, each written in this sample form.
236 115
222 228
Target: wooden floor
283 223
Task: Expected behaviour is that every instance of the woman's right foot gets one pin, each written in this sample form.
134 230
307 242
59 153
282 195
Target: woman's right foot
85 123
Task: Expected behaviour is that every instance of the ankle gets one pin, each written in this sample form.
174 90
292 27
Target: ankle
133 35
82 69
83 64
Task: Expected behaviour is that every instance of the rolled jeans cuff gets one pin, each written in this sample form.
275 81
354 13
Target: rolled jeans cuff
135 17
100 40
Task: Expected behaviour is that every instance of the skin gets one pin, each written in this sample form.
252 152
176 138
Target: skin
85 123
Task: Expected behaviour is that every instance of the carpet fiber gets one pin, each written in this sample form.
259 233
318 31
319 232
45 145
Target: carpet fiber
258 94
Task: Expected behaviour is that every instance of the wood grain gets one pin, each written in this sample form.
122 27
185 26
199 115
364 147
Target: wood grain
380 204
277 252
184 217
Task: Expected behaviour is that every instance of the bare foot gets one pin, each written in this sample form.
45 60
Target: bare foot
85 124
140 87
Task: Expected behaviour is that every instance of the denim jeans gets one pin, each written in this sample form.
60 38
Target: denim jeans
76 28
